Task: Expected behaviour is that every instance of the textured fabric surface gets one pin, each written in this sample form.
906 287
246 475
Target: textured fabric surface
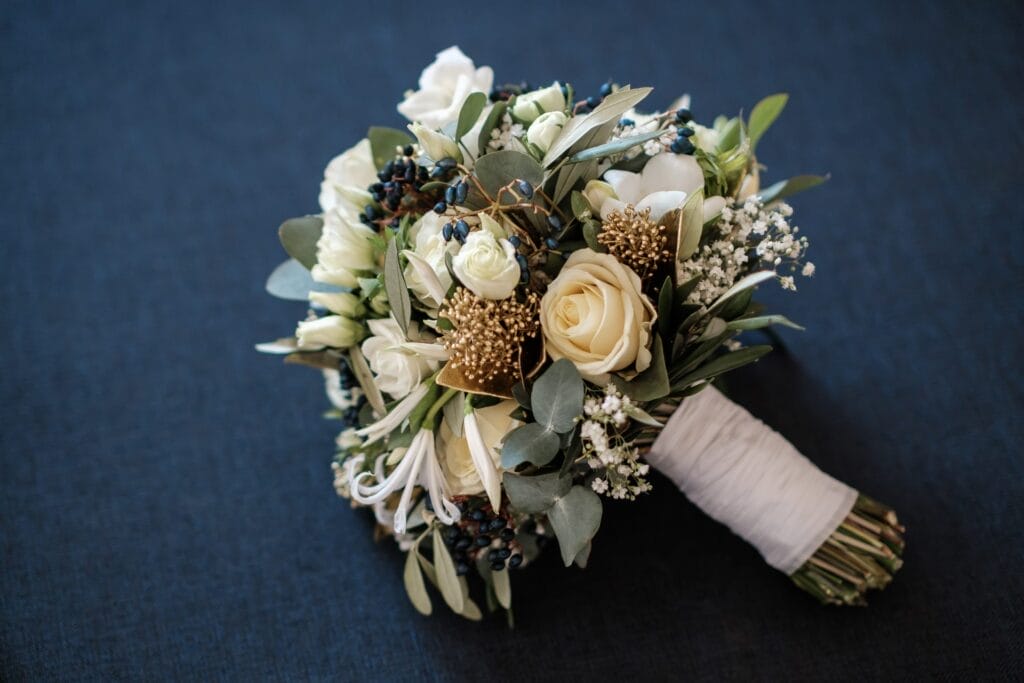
166 510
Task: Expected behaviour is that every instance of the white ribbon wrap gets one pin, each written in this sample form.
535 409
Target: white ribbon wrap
745 475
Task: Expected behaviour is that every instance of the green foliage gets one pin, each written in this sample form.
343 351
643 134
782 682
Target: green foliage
470 113
492 121
690 226
498 169
535 494
721 365
609 111
447 579
291 280
384 142
532 443
652 383
557 397
763 115
394 284
761 321
575 518
614 147
787 188
414 586
299 237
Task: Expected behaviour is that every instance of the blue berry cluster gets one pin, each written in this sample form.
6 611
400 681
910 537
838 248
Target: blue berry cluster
589 104
478 530
347 382
682 144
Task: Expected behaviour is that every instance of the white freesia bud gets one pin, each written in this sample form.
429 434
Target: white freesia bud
427 275
344 250
346 178
341 303
335 331
399 365
435 145
751 184
444 87
530 105
546 129
487 266
596 192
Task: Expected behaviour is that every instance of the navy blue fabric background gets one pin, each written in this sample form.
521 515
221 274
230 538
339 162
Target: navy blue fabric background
166 509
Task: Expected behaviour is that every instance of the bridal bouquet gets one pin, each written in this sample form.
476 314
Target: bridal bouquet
519 305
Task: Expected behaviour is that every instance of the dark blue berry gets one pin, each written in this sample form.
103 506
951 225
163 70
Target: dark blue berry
462 569
451 533
371 211
462 231
627 122
524 277
524 188
407 151
497 523
440 207
683 115
477 515
515 241
449 194
483 540
592 101
551 242
515 561
685 132
682 146
507 534
461 192
447 163
492 556
463 543
606 89
503 553
446 231
521 260
410 173
497 566
438 172
554 222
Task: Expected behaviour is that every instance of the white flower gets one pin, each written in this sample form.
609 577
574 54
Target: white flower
427 275
435 145
335 331
444 87
663 185
399 365
596 193
342 303
348 439
595 314
530 105
347 178
418 466
546 129
471 462
393 420
344 250
705 139
808 269
487 265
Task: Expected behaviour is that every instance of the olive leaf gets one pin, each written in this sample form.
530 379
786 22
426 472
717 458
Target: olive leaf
470 113
787 188
763 116
414 586
394 284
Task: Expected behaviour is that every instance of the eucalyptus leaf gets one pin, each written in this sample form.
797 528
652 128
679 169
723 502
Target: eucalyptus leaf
394 284
614 147
532 443
292 281
384 142
760 321
502 587
557 396
575 518
414 586
609 111
498 169
590 236
722 364
583 556
447 579
299 237
787 188
580 206
763 115
535 494
470 113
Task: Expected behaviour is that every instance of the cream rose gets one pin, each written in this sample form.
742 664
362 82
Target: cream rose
427 275
346 178
399 365
487 265
455 453
546 129
595 315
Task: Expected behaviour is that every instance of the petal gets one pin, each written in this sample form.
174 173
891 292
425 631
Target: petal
626 184
662 202
712 207
671 172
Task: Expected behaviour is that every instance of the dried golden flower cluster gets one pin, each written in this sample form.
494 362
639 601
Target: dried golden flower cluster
488 334
635 240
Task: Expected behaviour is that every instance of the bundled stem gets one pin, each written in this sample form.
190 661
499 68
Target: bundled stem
862 553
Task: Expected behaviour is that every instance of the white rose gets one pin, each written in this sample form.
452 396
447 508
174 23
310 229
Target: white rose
347 178
444 87
530 105
546 129
341 303
457 461
344 250
427 275
487 265
435 145
595 315
399 365
332 330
